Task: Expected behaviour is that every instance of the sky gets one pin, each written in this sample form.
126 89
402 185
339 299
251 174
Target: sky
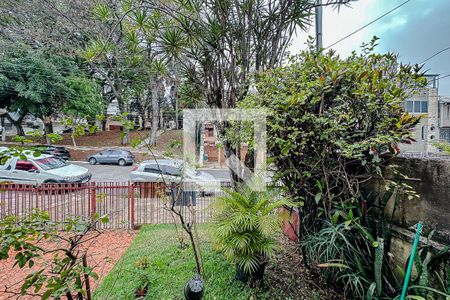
415 31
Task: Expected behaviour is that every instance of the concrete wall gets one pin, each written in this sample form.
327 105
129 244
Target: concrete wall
431 180
433 207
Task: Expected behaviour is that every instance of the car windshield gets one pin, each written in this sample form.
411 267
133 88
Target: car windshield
50 163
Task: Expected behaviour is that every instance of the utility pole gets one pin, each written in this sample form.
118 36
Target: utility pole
318 25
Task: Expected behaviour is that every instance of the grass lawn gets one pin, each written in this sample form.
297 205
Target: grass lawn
169 268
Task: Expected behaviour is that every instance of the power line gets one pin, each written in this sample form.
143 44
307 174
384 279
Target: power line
437 53
445 76
368 24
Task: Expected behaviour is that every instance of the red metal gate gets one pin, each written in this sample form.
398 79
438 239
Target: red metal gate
126 204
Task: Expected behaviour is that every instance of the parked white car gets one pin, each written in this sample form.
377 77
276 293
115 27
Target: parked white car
42 169
173 171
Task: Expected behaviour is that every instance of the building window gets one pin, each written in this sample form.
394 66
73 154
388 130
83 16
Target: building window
416 106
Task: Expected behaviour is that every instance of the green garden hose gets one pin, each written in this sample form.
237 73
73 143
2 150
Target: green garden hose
411 260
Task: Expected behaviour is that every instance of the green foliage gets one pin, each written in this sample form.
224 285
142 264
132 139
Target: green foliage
86 100
443 146
245 225
345 244
42 85
24 235
127 125
54 137
37 133
190 93
32 82
333 123
22 139
349 257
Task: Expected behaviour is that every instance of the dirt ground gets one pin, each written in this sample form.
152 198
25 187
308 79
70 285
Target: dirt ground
103 253
111 139
288 277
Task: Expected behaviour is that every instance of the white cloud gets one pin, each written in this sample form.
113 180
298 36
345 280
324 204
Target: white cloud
337 24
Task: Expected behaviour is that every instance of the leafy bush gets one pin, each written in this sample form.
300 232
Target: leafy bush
443 146
333 123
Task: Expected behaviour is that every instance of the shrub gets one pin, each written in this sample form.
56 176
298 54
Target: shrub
333 123
246 224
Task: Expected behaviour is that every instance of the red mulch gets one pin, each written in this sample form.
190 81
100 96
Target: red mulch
103 253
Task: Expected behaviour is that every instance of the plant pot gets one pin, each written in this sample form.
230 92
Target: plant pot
194 289
255 278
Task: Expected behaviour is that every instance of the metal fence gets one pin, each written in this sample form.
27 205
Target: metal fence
127 204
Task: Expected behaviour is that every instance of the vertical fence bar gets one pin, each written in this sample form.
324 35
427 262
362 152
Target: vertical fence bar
92 190
131 207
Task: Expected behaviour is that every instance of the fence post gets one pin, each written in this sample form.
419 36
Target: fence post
92 188
131 204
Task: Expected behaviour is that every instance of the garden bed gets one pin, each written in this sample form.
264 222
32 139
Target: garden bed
103 253
156 260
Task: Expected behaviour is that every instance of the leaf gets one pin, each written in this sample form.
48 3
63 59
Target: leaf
379 255
370 291
104 219
333 265
318 197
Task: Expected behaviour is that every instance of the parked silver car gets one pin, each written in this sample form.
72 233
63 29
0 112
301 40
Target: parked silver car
42 169
112 156
172 170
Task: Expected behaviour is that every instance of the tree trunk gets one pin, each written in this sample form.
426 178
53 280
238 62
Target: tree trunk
3 128
48 128
103 124
249 161
17 124
155 118
230 150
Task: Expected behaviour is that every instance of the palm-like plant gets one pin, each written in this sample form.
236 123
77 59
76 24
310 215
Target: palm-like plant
246 223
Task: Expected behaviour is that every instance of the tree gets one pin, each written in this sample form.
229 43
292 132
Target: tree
65 27
59 27
223 43
131 58
32 84
43 85
85 98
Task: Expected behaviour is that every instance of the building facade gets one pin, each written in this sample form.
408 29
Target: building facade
434 125
435 122
444 118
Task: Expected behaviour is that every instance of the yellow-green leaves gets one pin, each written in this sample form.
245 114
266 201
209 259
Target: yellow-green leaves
102 11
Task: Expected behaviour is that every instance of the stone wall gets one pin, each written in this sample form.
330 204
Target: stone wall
431 180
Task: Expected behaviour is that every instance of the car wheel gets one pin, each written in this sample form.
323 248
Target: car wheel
122 162
92 161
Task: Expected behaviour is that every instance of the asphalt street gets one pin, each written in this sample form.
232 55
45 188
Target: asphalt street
115 173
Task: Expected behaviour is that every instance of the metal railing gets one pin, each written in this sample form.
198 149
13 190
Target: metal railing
127 205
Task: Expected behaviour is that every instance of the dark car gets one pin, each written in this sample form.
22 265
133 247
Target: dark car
57 151
112 156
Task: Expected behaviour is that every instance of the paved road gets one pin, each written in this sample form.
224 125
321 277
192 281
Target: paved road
114 173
